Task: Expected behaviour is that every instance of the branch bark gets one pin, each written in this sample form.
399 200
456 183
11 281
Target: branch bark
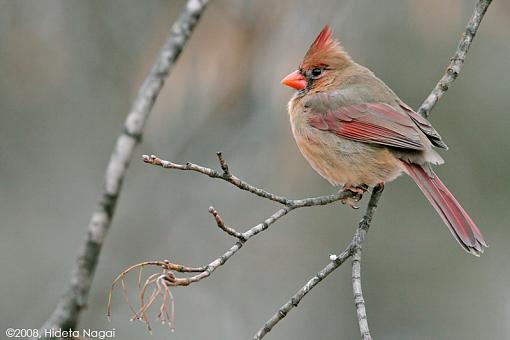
70 306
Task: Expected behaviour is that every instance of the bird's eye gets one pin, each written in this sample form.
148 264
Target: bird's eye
316 72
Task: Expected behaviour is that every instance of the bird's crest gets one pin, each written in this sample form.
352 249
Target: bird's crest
324 50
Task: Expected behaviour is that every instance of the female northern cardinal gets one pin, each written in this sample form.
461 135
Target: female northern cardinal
354 131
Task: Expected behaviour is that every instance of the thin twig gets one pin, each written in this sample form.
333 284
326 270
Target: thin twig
359 300
239 183
452 71
211 267
223 163
456 62
335 262
206 271
69 308
222 226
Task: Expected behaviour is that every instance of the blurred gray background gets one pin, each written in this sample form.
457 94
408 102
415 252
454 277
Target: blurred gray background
69 71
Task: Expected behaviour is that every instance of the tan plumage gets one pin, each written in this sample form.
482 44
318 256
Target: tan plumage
339 160
355 131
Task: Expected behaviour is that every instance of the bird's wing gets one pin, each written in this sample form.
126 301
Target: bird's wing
425 126
377 123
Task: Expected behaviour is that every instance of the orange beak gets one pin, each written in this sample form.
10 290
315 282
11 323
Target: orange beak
295 80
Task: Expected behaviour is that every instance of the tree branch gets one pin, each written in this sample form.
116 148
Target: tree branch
70 306
452 71
456 62
335 262
289 205
239 183
168 277
356 247
222 226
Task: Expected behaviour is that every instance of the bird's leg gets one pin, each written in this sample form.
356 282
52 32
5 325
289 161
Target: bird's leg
381 186
358 191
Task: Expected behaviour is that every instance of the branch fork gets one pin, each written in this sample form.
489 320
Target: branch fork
166 278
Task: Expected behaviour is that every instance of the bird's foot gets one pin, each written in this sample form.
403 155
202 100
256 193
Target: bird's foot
357 191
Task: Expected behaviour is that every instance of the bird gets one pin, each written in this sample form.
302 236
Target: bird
357 133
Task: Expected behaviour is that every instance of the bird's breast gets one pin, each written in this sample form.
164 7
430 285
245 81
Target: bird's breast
340 160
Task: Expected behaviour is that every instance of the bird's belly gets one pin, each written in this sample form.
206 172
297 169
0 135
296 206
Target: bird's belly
342 161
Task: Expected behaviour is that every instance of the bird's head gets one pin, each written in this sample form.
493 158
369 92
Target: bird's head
321 65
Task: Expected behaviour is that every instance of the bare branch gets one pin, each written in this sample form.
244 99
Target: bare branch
69 308
356 247
226 176
335 262
205 271
456 62
223 163
222 226
211 267
359 301
229 177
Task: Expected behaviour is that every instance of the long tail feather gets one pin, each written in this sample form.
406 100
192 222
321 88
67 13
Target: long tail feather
458 221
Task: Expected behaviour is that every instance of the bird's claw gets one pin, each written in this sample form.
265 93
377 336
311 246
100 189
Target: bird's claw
357 191
350 202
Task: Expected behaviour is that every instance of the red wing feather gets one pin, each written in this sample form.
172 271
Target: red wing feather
377 123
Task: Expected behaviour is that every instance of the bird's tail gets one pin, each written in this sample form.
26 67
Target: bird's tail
458 221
